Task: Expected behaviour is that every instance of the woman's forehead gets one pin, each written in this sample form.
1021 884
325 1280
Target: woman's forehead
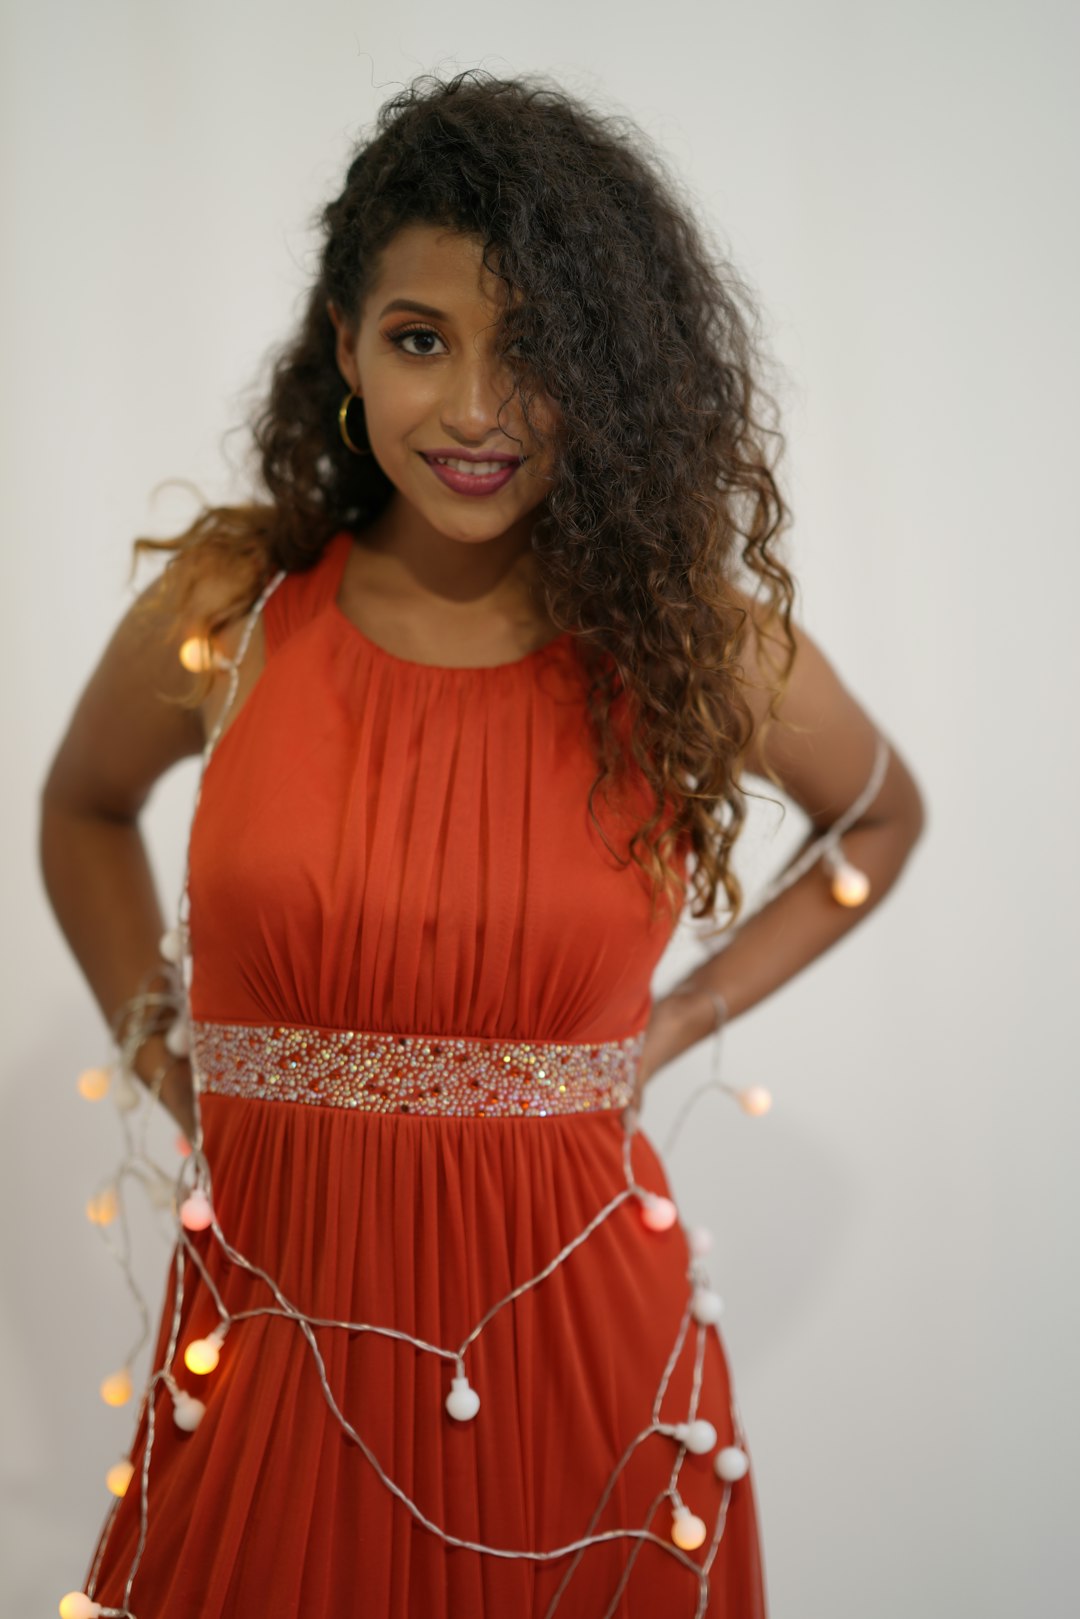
438 268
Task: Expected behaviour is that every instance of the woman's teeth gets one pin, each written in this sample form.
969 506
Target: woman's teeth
480 468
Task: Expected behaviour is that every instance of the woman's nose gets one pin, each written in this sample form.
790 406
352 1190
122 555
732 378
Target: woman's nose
474 391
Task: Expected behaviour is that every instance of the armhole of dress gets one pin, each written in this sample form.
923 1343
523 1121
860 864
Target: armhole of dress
307 593
266 595
274 603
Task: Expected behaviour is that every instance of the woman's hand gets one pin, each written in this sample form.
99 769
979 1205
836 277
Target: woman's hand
679 1020
178 1097
169 1079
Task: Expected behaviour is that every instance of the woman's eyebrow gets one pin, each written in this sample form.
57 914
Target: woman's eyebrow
410 303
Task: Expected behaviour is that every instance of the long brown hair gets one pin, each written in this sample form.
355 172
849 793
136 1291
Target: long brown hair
648 342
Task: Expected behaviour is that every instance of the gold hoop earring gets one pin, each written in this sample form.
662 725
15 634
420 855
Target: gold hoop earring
343 413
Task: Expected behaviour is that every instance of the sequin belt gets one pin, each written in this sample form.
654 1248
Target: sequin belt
412 1073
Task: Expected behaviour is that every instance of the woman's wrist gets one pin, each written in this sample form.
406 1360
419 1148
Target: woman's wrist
680 1019
701 1012
168 1078
177 1095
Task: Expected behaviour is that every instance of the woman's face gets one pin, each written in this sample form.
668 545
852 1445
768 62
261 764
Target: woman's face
432 383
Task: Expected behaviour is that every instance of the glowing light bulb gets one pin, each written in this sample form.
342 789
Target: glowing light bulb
94 1083
102 1209
755 1099
698 1436
849 885
701 1241
706 1307
119 1477
196 654
116 1388
687 1531
731 1463
195 1211
200 1356
77 1605
203 1354
188 1412
462 1402
658 1213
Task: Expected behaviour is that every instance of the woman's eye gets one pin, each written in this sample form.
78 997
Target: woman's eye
401 337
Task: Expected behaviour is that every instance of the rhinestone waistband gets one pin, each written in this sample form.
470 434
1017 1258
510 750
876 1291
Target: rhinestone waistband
412 1073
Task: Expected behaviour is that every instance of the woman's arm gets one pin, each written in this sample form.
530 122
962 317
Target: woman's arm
121 738
823 766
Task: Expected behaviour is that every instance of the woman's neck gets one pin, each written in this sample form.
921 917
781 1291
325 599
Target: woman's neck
405 558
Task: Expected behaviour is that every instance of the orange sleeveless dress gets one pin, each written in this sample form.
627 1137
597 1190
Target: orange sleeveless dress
401 916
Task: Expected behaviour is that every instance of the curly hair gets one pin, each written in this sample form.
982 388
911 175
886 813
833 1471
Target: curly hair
648 343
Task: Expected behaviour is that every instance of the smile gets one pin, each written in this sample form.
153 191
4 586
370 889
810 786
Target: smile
472 477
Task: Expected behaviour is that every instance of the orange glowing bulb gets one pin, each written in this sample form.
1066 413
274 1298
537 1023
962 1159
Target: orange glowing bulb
755 1100
119 1477
94 1083
196 654
201 1355
659 1213
77 1605
102 1209
116 1389
687 1530
849 885
196 1212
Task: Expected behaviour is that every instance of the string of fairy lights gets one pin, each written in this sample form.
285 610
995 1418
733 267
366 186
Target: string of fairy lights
162 1003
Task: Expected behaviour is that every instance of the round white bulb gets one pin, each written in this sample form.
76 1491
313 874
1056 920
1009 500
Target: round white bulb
178 1038
706 1306
698 1436
731 1463
462 1402
187 1411
171 944
701 1241
160 1192
127 1092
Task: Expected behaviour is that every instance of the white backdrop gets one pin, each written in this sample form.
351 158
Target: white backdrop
895 1241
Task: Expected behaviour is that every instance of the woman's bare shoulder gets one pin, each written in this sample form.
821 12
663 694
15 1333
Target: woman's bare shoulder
823 746
137 715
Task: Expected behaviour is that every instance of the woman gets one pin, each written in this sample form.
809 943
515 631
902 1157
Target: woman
484 680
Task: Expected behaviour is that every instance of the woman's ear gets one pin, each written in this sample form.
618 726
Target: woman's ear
344 347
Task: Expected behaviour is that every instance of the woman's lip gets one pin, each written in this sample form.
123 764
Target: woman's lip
470 455
472 483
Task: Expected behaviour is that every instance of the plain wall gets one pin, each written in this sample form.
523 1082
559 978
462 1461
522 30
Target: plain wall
895 1240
